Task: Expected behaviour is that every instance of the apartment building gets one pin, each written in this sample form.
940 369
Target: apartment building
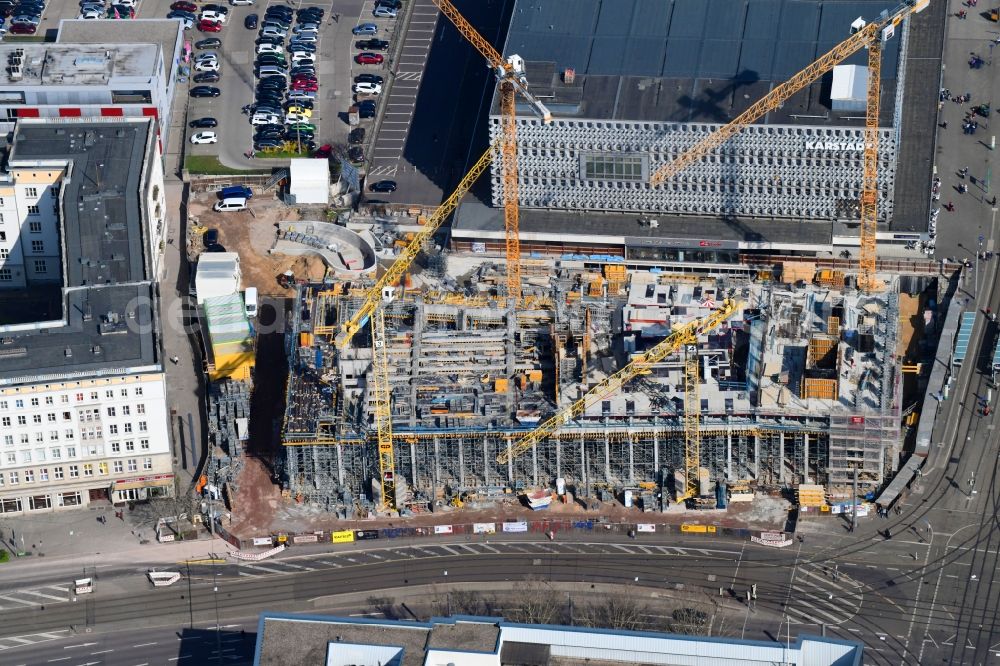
83 413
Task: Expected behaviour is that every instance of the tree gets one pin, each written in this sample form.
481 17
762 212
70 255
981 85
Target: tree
617 612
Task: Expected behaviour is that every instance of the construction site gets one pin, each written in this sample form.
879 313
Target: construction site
472 373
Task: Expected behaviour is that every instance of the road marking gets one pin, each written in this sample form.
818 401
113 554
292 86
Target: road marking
296 566
47 596
70 647
101 652
257 567
58 659
144 645
26 602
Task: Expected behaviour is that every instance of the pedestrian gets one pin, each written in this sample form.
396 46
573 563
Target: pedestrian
993 202
943 124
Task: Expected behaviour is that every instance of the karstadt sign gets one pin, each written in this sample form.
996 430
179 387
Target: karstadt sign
836 145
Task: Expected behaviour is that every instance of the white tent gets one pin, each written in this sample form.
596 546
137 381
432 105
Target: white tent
218 275
309 181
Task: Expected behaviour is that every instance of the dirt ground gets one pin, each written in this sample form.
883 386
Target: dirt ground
911 325
252 235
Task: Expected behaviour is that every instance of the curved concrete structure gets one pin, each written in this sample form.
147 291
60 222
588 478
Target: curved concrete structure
346 253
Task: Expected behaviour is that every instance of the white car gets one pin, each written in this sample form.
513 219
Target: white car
292 118
207 66
215 17
237 3
268 48
301 55
204 137
265 119
207 56
367 88
91 14
271 31
306 27
127 3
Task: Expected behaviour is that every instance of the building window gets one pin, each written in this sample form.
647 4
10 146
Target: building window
43 474
34 402
8 440
132 465
51 417
113 429
111 411
37 502
39 455
117 464
57 473
126 410
26 456
31 191
142 426
6 275
13 478
70 499
41 266
12 505
29 476
140 409
128 427
144 444
35 227
130 445
116 447
22 420
4 253
6 422
88 469
102 468
138 390
36 418
147 464
11 458
614 167
70 434
74 471
71 452
109 394
56 453
54 435
33 210
48 400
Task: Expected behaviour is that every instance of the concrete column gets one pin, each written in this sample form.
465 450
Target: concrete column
729 455
585 478
534 463
631 460
656 452
607 458
781 457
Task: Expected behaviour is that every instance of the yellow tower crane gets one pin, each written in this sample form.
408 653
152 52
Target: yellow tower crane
511 79
686 334
382 291
864 34
381 397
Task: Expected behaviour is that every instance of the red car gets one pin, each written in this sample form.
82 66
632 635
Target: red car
323 151
307 86
368 58
22 29
210 26
185 6
304 78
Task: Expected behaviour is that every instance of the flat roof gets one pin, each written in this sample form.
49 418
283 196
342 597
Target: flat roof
681 61
964 337
164 32
27 64
474 218
101 222
108 301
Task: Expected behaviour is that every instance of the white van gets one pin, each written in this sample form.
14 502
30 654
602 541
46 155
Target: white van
231 204
250 301
271 70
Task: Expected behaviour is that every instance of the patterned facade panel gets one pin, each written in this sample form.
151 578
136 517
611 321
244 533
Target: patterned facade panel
765 171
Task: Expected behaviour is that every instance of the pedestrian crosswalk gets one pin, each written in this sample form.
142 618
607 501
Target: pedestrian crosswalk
821 595
35 596
8 642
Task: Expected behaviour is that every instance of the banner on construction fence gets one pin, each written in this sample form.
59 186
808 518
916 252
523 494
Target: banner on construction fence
442 529
645 527
305 538
362 535
263 541
518 526
344 536
698 529
484 528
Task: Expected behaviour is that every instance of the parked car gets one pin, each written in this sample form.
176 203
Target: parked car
391 4
204 122
323 151
366 112
369 78
357 135
369 58
381 11
210 26
265 144
237 3
236 192
90 14
250 22
179 14
222 9
185 6
22 29
265 119
373 44
210 43
269 48
310 13
215 17
356 154
301 127
204 91
383 186
365 29
295 71
210 237
305 85
207 66
271 31
206 77
204 137
367 88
